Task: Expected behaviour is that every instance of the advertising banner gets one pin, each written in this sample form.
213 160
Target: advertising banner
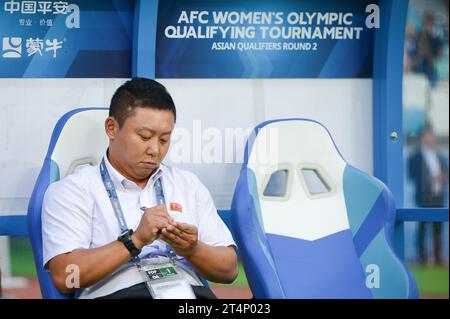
57 39
265 38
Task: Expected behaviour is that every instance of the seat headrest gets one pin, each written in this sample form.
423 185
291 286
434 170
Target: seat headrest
296 164
292 142
81 141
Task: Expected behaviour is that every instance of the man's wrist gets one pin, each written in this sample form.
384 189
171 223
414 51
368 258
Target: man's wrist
126 238
194 251
136 241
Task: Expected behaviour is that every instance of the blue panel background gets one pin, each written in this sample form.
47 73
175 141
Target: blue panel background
144 41
193 58
101 47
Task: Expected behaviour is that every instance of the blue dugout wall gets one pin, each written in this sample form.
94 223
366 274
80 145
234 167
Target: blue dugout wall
138 44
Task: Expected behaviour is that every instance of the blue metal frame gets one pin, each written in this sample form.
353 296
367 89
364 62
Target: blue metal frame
387 107
144 38
15 225
387 103
387 96
388 114
422 214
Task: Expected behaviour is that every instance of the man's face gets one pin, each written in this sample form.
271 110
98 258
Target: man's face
428 140
137 149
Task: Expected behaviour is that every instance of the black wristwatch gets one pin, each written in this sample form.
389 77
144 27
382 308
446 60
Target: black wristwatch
125 238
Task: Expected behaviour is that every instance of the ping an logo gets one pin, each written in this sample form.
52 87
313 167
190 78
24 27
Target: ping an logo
12 47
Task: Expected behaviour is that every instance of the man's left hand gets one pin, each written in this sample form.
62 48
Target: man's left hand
182 237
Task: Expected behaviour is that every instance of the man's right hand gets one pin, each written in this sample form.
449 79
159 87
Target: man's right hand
88 261
153 220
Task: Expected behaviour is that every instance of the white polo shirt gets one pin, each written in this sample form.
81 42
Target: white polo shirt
77 213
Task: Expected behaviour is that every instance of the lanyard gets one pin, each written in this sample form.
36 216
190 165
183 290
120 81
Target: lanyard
160 198
118 212
112 194
111 190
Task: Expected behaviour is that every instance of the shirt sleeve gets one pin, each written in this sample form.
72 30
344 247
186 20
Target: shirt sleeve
212 230
66 217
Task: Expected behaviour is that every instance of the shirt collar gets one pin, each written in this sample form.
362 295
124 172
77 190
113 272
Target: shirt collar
122 182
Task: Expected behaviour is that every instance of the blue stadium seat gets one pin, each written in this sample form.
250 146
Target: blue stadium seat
309 225
78 139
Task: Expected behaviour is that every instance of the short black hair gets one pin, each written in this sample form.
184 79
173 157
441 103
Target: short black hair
427 128
140 92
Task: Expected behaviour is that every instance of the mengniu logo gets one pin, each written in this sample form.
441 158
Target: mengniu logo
12 47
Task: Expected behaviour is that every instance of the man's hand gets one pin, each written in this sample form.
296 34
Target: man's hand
218 263
182 237
152 222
